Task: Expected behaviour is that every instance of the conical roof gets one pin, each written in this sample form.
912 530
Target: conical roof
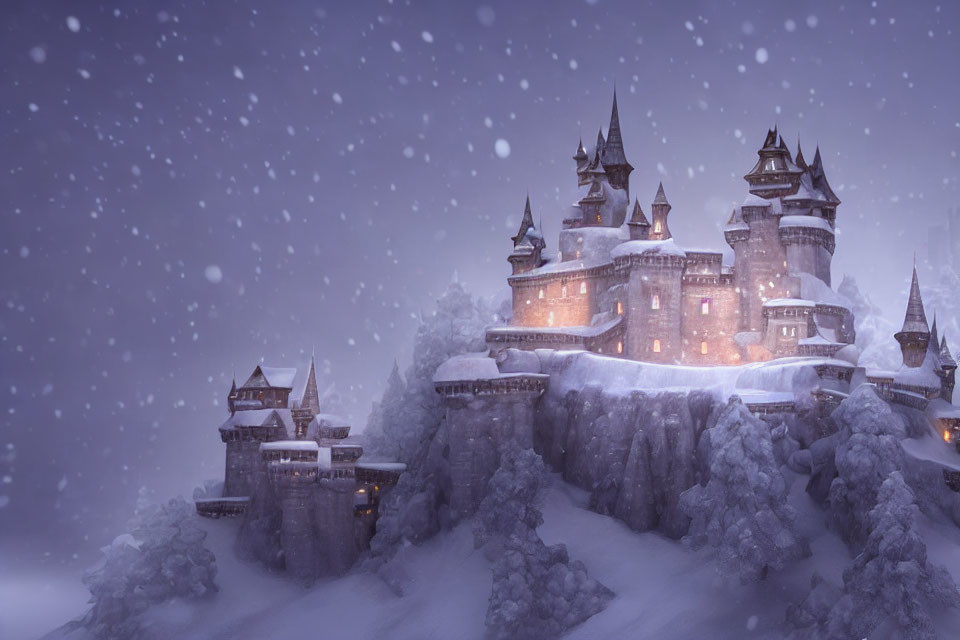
525 224
311 395
946 358
661 197
638 219
800 161
915 320
820 179
613 154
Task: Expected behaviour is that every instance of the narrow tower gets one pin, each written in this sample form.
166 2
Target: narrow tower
661 208
775 173
949 368
527 244
914 337
639 226
309 405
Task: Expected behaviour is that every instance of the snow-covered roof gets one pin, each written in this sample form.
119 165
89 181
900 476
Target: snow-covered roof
813 288
469 366
790 302
289 445
280 376
257 418
811 222
584 331
648 247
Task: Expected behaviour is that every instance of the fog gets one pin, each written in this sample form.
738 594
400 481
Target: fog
188 189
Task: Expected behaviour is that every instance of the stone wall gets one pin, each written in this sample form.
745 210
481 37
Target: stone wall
242 459
717 327
760 261
569 299
656 276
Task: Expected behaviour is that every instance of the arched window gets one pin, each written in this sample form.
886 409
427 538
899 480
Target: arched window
703 348
619 308
541 294
656 346
657 227
620 347
583 287
784 331
704 306
563 291
655 302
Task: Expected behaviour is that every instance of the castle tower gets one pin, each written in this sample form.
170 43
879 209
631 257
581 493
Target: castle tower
829 208
580 157
309 405
592 203
639 227
661 208
528 244
232 395
775 173
583 173
949 367
613 157
914 337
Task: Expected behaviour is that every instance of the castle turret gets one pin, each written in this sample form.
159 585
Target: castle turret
528 244
775 173
914 337
639 227
580 157
585 173
613 157
661 208
949 371
232 395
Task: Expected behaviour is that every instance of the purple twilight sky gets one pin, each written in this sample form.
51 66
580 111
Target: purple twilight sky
188 187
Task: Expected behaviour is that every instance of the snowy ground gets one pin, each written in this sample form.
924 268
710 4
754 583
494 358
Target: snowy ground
663 590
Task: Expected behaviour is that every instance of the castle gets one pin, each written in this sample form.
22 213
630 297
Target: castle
626 287
285 454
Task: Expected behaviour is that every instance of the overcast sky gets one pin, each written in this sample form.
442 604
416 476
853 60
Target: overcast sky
187 188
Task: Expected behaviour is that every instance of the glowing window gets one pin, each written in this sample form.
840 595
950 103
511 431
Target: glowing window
598 218
655 302
619 308
656 346
784 331
619 347
705 306
540 294
703 348
793 332
656 227
550 319
583 287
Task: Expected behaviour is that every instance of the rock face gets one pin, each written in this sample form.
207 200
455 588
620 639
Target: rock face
636 452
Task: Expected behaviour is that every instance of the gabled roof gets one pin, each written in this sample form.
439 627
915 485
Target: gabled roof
277 377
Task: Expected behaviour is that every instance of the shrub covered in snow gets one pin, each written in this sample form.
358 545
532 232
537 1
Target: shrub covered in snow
163 557
537 591
742 510
868 450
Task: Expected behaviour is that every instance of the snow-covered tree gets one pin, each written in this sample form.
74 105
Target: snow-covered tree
868 450
404 422
890 583
537 591
874 330
163 557
742 510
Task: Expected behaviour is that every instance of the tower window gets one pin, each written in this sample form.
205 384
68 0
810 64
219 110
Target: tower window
620 347
655 302
540 295
583 287
703 348
704 306
657 227
619 308
656 346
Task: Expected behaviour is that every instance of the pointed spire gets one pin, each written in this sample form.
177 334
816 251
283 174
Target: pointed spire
661 197
613 154
526 223
915 320
800 161
946 358
311 394
638 218
601 143
771 139
934 337
581 155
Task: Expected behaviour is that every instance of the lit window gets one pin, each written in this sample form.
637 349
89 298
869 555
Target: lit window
550 319
620 347
705 306
657 228
656 346
540 294
784 331
583 287
619 308
793 332
563 291
655 303
598 218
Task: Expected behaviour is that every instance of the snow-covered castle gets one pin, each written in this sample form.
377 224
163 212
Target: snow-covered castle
625 287
286 458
